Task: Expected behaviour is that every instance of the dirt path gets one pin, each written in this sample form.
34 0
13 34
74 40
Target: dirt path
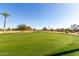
74 33
68 33
1 32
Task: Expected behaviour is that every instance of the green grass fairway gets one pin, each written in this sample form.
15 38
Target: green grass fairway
37 44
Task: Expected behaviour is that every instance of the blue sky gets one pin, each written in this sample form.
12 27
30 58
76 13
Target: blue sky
40 15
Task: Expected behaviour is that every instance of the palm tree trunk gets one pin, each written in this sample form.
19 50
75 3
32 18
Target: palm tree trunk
4 25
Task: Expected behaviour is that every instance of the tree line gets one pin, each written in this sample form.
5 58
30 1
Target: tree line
72 29
22 27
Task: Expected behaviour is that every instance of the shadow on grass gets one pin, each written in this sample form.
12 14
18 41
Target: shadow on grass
62 53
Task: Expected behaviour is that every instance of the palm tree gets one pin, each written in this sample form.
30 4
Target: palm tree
5 14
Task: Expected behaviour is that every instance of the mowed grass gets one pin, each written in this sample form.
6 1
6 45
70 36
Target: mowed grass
37 44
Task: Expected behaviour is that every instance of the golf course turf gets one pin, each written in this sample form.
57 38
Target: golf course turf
38 44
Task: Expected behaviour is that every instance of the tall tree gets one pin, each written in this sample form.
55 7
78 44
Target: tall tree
45 29
74 27
22 27
5 14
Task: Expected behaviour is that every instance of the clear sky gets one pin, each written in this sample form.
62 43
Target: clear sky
40 15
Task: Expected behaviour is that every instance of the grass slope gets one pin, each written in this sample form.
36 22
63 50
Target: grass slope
37 44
